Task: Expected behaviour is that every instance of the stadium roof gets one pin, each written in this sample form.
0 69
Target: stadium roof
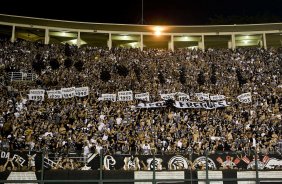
106 27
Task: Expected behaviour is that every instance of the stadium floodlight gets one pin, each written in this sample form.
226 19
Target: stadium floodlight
158 30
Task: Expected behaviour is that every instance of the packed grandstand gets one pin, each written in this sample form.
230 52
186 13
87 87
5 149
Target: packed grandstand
127 101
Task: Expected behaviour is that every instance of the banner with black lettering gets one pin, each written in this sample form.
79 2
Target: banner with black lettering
82 91
54 94
202 96
198 105
143 96
37 91
68 92
217 97
182 96
151 105
36 97
245 98
168 96
36 94
108 97
186 105
125 96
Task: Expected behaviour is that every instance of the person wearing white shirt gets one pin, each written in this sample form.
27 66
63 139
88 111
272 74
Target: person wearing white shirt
101 126
179 144
86 151
146 149
98 149
118 120
102 117
254 141
105 137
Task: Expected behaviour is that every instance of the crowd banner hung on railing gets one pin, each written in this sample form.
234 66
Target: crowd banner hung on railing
215 161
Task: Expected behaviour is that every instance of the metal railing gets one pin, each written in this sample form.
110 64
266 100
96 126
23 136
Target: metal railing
153 173
21 76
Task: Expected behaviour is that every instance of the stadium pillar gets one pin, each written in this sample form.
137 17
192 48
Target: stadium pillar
78 39
13 33
264 41
110 41
229 44
233 43
172 43
47 38
141 42
203 43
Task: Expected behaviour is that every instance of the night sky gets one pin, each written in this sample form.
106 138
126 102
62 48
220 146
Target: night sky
163 12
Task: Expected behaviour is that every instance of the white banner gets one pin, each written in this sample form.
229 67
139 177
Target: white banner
36 97
168 96
245 98
212 175
151 105
183 96
198 105
125 96
37 91
108 97
217 97
202 96
186 105
143 96
82 91
164 175
68 92
55 94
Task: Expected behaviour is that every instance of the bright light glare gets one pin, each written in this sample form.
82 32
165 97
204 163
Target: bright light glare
157 33
158 30
246 41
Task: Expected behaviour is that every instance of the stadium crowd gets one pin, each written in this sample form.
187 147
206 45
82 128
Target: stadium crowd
89 125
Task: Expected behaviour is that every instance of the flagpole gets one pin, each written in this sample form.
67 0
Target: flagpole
142 20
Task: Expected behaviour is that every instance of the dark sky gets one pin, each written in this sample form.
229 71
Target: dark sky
178 12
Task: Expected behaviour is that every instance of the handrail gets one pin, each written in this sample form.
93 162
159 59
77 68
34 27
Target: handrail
21 76
154 177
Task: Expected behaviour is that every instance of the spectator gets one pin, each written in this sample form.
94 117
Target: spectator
86 124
